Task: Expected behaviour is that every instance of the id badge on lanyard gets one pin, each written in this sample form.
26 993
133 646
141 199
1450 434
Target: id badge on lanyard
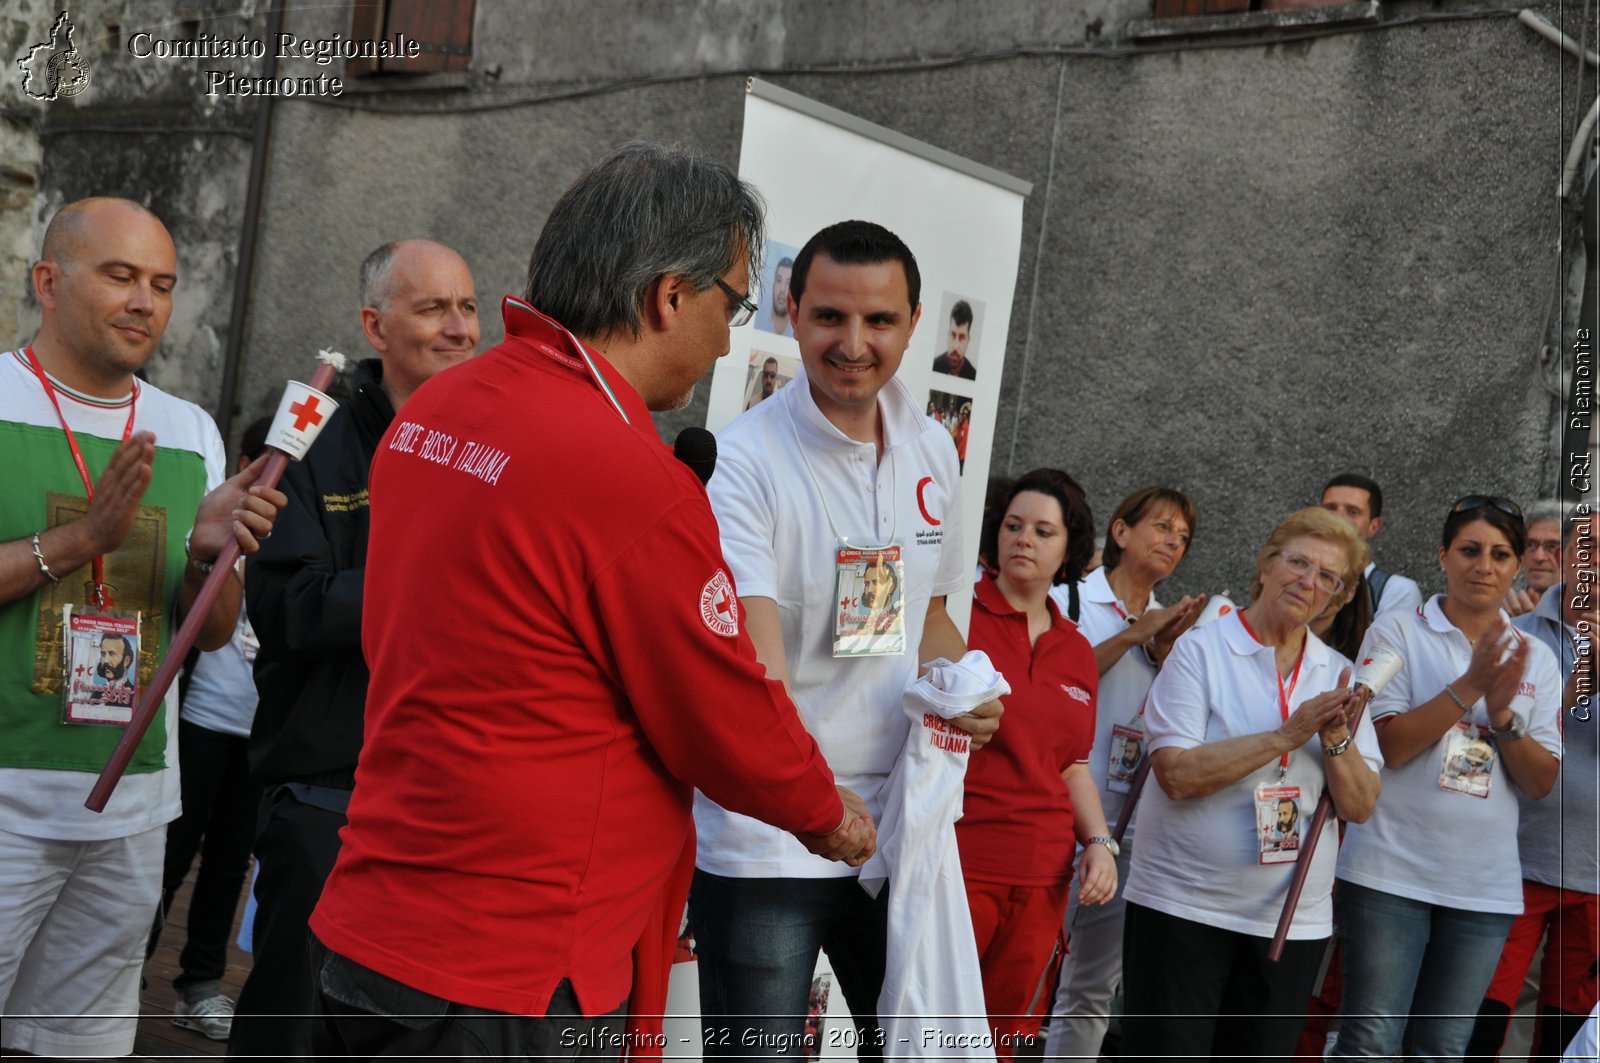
101 651
100 646
1469 756
1277 824
869 618
1127 753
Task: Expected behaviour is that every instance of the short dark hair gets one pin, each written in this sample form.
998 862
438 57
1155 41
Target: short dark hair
1074 512
1513 527
856 243
1364 483
127 643
1139 505
782 262
643 212
254 441
961 313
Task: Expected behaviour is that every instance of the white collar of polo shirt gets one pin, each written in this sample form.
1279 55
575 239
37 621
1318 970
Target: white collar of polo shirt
1241 642
902 422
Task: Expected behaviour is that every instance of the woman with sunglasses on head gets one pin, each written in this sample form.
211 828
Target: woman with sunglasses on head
1132 633
1029 796
1248 722
1429 885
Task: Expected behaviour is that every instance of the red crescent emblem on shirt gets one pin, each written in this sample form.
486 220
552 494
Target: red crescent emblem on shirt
719 606
921 486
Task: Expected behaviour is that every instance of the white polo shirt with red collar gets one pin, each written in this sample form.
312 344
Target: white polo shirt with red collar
788 484
1198 859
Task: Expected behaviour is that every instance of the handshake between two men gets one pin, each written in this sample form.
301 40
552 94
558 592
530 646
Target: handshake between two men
855 840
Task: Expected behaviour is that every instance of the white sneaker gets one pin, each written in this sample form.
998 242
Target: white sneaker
212 1016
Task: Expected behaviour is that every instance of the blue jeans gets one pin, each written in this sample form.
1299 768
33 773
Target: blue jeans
1410 959
757 940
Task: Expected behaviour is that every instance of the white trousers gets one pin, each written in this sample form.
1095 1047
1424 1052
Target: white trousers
74 921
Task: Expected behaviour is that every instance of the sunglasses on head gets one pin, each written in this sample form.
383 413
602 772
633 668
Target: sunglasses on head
1468 503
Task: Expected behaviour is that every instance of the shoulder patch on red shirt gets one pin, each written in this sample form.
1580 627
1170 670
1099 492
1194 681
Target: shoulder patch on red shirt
719 607
1076 692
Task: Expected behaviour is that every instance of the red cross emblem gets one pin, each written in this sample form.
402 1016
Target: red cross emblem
719 608
305 413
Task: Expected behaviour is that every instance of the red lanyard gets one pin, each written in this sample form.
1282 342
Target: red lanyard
1283 694
101 598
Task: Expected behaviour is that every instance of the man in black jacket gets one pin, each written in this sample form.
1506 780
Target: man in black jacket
419 312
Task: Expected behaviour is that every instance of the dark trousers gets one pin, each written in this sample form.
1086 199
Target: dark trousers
757 940
367 1015
1194 991
296 845
219 816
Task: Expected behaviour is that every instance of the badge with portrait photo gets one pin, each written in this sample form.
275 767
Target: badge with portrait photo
1469 756
101 684
1278 824
868 619
1127 753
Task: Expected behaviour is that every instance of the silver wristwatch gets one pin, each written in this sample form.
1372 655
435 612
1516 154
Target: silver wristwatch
1109 842
1518 728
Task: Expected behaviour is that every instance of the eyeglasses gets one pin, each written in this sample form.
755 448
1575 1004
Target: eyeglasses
747 309
1326 581
1468 503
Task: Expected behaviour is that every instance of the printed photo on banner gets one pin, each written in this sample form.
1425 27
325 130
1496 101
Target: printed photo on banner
960 320
772 309
768 372
954 412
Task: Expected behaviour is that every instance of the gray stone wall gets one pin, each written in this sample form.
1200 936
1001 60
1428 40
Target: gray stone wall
142 129
1249 262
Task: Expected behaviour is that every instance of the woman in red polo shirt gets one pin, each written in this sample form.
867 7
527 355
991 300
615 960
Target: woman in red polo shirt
1029 795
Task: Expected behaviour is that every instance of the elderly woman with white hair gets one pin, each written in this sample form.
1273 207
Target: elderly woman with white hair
1249 721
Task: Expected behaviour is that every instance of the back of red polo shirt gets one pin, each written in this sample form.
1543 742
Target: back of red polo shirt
555 652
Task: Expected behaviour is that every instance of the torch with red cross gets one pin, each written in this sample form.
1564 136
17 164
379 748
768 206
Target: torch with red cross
304 410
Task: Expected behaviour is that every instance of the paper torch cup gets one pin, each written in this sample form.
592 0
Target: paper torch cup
1379 666
302 413
1216 606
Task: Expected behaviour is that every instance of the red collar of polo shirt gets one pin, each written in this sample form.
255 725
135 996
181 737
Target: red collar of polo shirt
552 339
987 593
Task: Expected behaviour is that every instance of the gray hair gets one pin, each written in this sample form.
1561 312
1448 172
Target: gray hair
643 212
377 271
1543 511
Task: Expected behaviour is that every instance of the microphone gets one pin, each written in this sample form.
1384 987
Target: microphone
697 448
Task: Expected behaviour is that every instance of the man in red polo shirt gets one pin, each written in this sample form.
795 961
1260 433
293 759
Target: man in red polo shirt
557 650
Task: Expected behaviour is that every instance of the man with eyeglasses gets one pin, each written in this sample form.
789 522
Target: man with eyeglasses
513 874
1541 564
841 469
769 382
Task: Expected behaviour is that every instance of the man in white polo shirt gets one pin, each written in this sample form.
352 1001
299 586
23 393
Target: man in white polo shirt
837 476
